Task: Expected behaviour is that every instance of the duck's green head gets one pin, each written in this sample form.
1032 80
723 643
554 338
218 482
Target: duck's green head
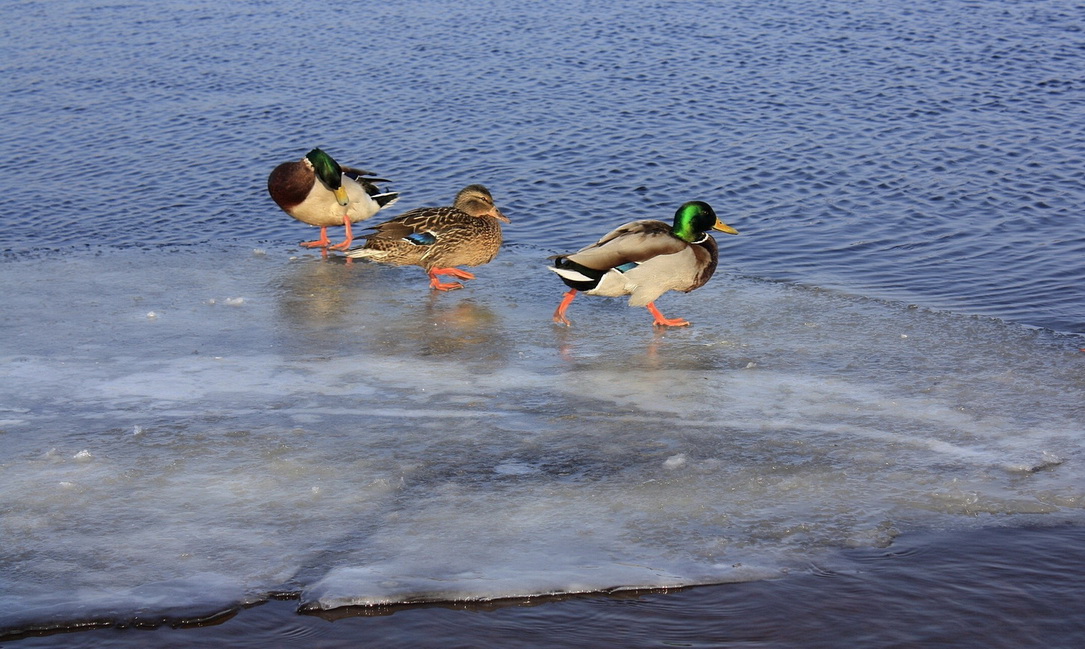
329 172
694 218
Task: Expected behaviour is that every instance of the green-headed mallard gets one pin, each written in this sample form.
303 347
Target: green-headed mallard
645 259
440 238
317 191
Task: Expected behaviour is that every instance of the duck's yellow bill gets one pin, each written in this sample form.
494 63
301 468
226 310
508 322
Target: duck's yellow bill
723 227
341 195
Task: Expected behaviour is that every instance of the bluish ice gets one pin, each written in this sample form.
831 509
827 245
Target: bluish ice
187 431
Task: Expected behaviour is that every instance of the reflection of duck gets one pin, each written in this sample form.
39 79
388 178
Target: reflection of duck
644 260
440 238
342 196
316 303
322 309
440 328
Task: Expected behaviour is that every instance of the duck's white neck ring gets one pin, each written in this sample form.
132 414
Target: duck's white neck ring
704 237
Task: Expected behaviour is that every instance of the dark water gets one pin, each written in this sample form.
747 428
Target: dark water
926 154
947 590
931 155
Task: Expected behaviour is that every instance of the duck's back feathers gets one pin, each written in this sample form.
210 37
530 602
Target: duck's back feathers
424 219
636 241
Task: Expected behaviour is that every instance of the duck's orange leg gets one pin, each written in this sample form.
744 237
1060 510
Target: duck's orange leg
349 236
322 242
437 284
661 321
566 300
455 272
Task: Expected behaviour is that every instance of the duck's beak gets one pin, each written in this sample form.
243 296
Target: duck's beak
499 216
723 227
341 195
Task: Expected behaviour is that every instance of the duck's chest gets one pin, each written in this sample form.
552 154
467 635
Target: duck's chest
319 207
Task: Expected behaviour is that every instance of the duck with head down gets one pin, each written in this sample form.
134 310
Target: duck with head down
467 233
644 260
317 191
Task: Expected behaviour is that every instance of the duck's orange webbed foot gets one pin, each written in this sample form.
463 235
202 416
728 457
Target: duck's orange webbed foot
322 242
566 300
455 272
661 321
436 284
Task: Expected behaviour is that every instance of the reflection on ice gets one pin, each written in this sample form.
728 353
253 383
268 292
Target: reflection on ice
336 430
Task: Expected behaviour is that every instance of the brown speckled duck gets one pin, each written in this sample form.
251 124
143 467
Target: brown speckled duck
644 260
440 238
317 191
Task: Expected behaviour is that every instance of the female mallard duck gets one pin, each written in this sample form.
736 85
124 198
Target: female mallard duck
342 196
645 259
440 238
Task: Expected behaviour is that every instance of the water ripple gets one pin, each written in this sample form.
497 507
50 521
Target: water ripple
884 148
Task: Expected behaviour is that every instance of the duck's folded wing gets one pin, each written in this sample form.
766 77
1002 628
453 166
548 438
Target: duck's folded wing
369 183
633 242
358 174
432 220
390 230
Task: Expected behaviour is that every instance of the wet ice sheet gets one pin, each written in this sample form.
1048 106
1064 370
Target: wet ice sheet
189 430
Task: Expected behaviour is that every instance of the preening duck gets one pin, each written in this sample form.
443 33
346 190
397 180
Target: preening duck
438 239
644 260
317 191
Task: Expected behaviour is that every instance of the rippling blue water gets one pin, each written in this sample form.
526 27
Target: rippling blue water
928 153
918 153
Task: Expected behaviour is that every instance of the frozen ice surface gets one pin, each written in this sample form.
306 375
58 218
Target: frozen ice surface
289 423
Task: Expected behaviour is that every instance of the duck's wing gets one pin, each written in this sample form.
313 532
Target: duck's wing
633 242
358 174
433 221
367 180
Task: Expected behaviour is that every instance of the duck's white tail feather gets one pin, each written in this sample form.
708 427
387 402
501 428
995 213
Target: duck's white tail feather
572 275
366 253
386 199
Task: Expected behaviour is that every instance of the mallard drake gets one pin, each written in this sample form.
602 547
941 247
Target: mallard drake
342 196
645 259
440 238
